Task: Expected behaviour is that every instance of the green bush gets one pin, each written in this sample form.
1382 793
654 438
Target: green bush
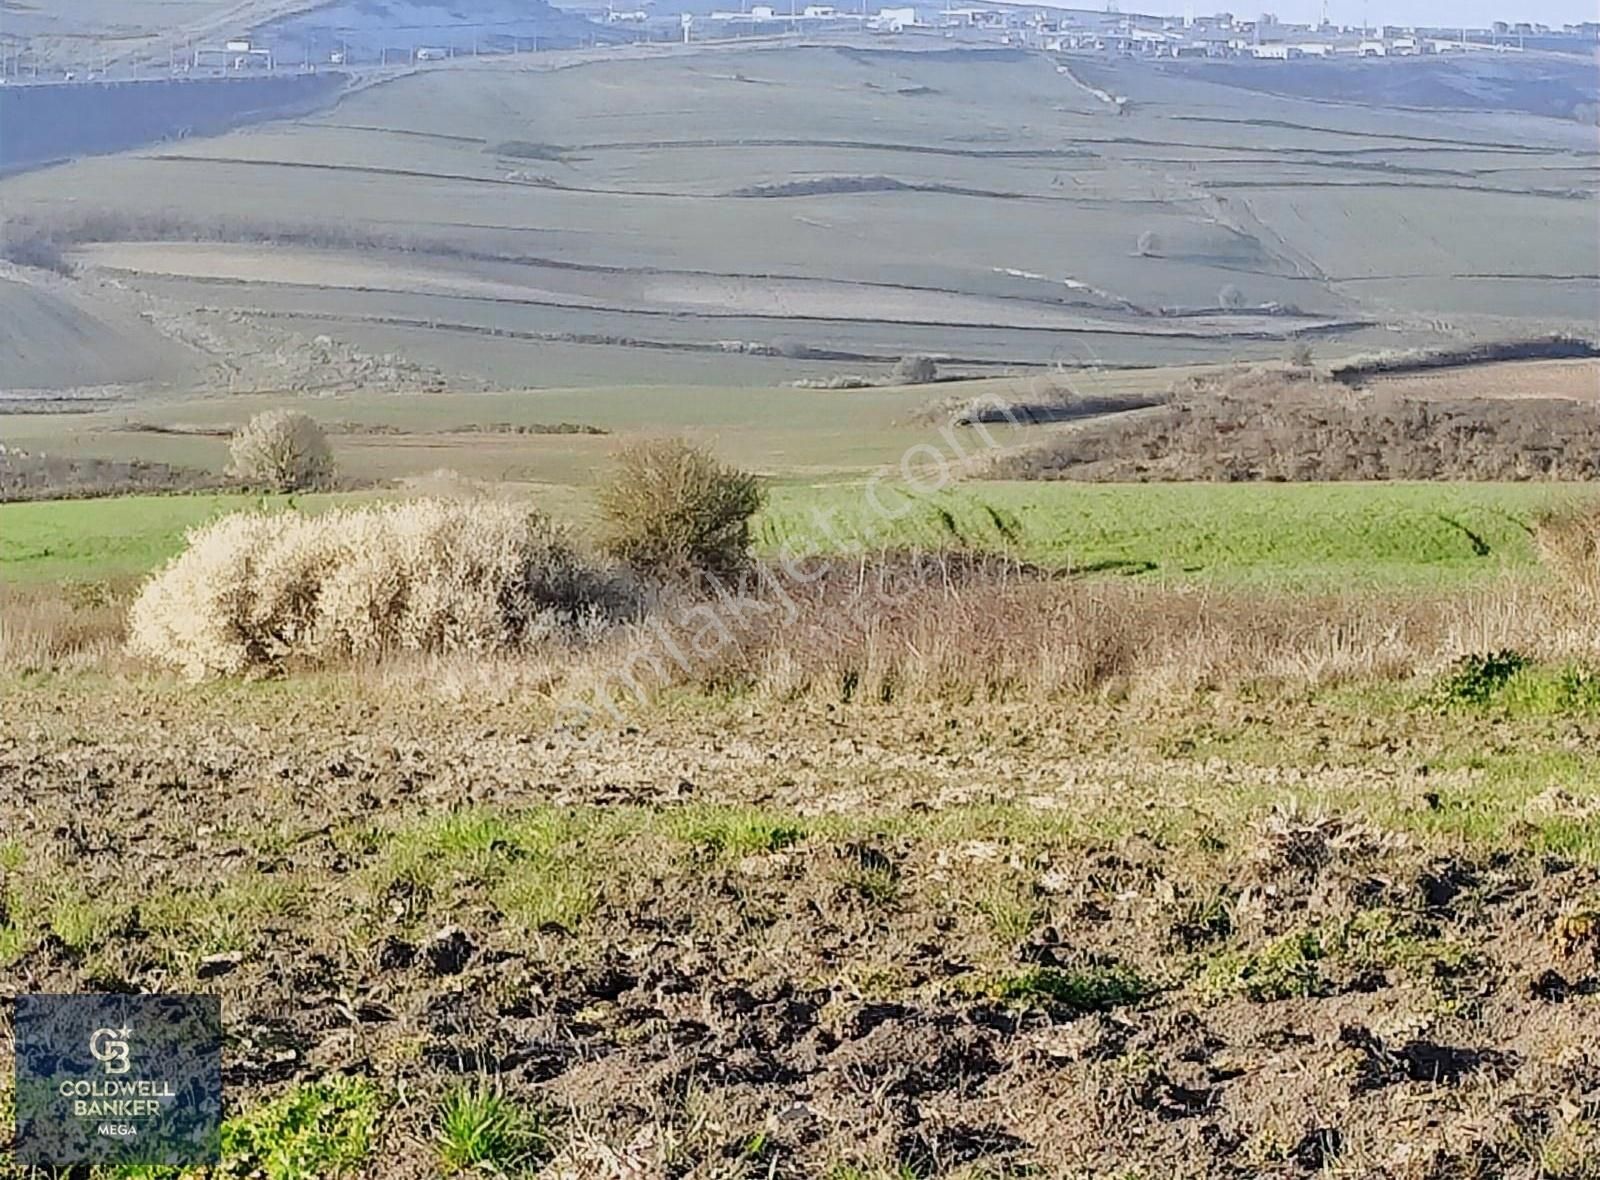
320 1130
671 509
1475 679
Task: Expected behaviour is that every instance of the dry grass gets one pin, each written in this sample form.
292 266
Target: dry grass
940 630
1569 546
56 629
894 628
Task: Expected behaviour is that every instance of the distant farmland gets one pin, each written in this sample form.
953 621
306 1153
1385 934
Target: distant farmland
757 215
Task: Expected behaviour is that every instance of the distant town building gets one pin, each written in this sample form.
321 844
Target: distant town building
893 20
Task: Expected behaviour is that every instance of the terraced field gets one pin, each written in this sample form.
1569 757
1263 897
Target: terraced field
583 218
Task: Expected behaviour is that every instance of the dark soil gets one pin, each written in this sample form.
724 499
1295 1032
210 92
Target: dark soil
815 940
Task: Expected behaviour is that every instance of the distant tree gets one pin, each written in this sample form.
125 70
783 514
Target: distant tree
915 370
1299 355
283 450
1230 296
1147 245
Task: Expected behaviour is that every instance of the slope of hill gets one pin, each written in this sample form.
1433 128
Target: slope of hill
811 208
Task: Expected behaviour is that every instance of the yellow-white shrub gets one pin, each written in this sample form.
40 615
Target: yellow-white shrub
258 590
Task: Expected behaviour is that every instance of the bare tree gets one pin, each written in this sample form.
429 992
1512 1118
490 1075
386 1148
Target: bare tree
284 450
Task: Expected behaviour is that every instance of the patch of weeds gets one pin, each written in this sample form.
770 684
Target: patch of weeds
12 856
1203 919
13 943
545 891
1012 910
1373 938
1084 989
1543 692
14 927
1474 680
532 864
874 885
82 922
1269 1145
1384 940
1281 970
734 832
320 1130
467 842
877 981
471 832
230 918
406 876
1571 1151
868 874
480 1129
1577 931
1570 837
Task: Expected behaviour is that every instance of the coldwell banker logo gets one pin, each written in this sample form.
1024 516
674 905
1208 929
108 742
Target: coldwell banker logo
109 1046
118 1080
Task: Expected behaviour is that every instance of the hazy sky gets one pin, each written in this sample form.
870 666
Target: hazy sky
1480 13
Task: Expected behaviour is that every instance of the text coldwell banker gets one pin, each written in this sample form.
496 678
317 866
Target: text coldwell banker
111 1098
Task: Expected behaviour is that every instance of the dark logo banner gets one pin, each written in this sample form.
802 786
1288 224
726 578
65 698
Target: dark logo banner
118 1080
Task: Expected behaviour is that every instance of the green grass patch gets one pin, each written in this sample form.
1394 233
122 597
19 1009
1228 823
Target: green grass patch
1314 535
1011 910
1081 990
481 1130
233 917
734 832
89 540
83 922
541 867
1281 970
14 940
